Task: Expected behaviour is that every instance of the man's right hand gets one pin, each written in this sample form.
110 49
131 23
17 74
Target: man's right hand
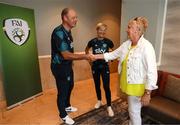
91 57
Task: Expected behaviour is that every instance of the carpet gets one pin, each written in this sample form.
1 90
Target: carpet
100 116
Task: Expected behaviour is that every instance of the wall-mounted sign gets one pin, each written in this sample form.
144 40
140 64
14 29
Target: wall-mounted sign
17 30
18 55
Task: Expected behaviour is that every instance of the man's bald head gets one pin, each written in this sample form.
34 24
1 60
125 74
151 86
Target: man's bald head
69 17
65 11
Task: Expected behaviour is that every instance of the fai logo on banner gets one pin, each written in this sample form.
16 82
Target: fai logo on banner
17 30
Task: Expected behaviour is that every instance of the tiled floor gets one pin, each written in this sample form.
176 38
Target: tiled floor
43 110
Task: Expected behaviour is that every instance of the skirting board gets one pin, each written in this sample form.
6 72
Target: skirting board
23 101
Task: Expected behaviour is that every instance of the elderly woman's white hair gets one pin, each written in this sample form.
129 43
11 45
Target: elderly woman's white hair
142 24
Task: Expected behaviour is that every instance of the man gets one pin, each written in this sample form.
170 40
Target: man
61 62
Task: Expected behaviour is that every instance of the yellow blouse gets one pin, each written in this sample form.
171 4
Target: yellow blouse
129 89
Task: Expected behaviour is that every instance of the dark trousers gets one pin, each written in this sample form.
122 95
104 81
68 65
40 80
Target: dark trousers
103 71
65 82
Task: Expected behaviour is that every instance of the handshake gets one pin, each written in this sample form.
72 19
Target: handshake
92 57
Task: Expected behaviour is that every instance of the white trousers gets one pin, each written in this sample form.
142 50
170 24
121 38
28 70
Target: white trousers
134 108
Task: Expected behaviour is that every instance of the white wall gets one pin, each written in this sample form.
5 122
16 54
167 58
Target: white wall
154 11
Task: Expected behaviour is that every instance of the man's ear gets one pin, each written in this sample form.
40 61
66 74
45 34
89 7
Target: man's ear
65 18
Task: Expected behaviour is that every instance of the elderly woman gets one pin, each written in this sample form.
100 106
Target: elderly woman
137 68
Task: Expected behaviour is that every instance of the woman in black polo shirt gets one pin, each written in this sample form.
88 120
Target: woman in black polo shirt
100 45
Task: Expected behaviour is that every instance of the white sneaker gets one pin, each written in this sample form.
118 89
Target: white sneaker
71 109
110 111
98 104
68 120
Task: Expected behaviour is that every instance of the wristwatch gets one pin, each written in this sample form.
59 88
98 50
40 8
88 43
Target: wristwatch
148 92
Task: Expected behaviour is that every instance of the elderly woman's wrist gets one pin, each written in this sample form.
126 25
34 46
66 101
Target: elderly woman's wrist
147 92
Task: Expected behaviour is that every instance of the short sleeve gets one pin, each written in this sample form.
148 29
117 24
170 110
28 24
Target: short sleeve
61 44
90 44
110 43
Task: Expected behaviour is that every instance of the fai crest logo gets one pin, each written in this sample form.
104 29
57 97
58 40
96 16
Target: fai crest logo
104 45
17 30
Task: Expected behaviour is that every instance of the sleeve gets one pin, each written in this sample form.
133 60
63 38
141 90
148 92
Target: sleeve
111 45
151 68
61 44
89 45
113 55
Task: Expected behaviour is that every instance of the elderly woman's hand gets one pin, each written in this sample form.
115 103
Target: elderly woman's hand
145 99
